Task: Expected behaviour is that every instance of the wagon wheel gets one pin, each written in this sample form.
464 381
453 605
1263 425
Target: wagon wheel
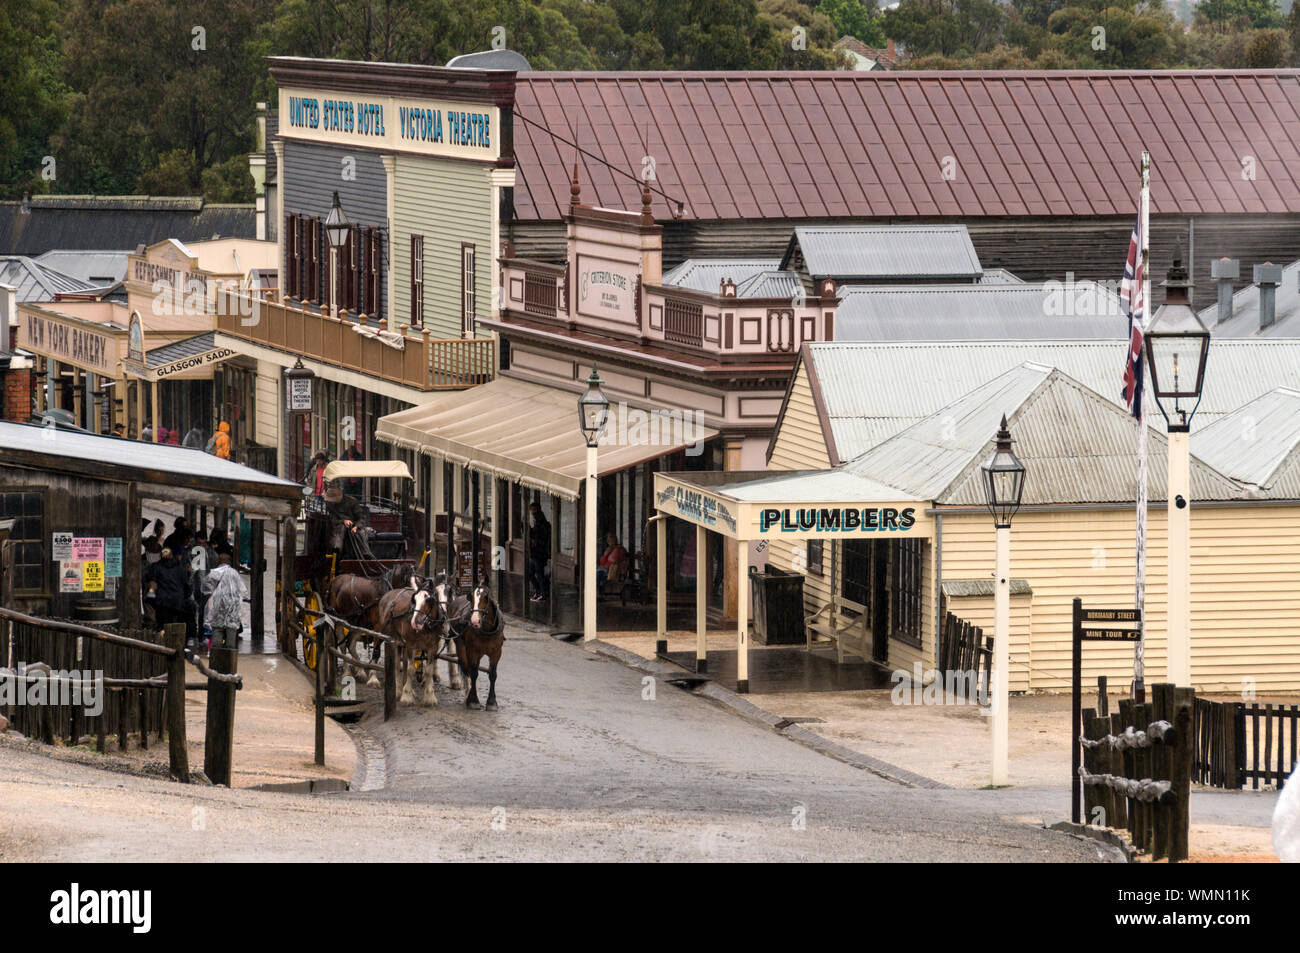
310 601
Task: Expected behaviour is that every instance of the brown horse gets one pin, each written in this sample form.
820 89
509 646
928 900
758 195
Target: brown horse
355 598
479 630
415 622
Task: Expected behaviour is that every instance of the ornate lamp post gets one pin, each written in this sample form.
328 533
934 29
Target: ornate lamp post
337 228
593 412
1004 484
1176 345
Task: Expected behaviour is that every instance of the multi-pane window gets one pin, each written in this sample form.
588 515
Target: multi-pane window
26 507
855 577
469 300
815 547
905 590
417 281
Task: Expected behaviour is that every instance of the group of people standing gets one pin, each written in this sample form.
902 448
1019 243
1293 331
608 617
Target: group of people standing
190 578
218 444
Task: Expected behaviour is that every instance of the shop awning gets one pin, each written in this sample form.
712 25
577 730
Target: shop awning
528 433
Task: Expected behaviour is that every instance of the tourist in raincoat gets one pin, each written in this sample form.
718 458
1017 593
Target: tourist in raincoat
225 592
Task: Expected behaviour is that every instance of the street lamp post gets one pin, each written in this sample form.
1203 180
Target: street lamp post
593 412
1177 344
1004 484
337 227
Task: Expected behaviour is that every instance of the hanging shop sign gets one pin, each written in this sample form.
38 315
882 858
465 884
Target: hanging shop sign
195 363
432 127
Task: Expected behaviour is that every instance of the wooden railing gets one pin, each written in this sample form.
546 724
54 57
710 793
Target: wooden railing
683 322
540 294
414 358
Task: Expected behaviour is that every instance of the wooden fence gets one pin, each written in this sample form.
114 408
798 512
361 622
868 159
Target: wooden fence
1137 767
142 682
1239 745
964 648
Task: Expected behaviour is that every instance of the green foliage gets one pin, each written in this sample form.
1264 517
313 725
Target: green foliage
1259 14
124 96
855 18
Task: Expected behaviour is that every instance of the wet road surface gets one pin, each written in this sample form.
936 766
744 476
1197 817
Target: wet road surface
584 736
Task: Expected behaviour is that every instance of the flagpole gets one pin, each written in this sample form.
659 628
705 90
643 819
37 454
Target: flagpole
1140 587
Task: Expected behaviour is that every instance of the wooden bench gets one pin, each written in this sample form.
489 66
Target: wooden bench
853 637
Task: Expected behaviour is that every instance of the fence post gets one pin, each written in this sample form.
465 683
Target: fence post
218 750
390 681
1184 700
318 632
178 756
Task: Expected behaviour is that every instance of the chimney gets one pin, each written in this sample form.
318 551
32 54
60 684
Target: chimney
889 45
1268 276
1225 271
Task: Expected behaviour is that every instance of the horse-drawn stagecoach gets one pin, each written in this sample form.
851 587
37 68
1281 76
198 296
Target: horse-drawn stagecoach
389 536
363 567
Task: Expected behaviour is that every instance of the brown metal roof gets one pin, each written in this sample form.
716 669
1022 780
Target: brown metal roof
840 144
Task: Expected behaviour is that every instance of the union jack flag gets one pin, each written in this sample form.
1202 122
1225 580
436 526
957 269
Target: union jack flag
1130 291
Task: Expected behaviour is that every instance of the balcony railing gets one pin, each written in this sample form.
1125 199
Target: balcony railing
540 294
683 322
414 358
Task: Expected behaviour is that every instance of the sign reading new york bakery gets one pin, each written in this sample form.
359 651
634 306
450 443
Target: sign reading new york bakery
430 126
68 339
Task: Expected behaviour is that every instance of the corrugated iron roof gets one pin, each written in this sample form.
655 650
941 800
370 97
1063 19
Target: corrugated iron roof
772 284
873 390
97 267
166 353
873 252
999 276
1077 447
1252 443
970 143
36 281
707 274
1245 310
94 222
983 312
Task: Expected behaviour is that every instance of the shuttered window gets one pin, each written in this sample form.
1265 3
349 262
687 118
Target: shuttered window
417 281
905 590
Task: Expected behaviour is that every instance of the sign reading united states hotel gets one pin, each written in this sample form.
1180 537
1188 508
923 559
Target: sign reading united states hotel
434 127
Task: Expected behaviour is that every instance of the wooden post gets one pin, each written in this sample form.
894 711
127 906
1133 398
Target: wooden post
1120 819
1184 701
551 583
321 653
130 583
180 761
526 502
288 569
390 681
701 599
1091 792
1076 718
219 747
257 581
1162 698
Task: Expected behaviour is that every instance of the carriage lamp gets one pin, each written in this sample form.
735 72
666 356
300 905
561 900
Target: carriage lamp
593 410
1004 484
337 228
337 225
1004 480
1177 345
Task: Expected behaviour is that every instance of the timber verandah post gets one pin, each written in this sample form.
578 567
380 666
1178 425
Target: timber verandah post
174 638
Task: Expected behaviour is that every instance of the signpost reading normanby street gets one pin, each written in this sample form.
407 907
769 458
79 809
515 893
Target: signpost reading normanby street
1092 625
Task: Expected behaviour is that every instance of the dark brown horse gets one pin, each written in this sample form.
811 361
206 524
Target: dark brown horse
413 618
355 598
479 630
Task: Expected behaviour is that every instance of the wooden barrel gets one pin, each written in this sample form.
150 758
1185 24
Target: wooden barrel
95 612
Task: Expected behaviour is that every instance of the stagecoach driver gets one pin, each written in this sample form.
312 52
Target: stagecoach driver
347 516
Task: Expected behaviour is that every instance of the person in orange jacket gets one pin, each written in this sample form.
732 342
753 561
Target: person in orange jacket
221 444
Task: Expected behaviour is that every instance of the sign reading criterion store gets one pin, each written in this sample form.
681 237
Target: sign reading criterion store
437 128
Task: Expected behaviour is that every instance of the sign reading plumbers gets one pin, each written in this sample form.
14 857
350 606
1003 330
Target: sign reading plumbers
429 127
830 520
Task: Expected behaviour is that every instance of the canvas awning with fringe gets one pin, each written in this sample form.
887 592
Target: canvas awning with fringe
528 433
